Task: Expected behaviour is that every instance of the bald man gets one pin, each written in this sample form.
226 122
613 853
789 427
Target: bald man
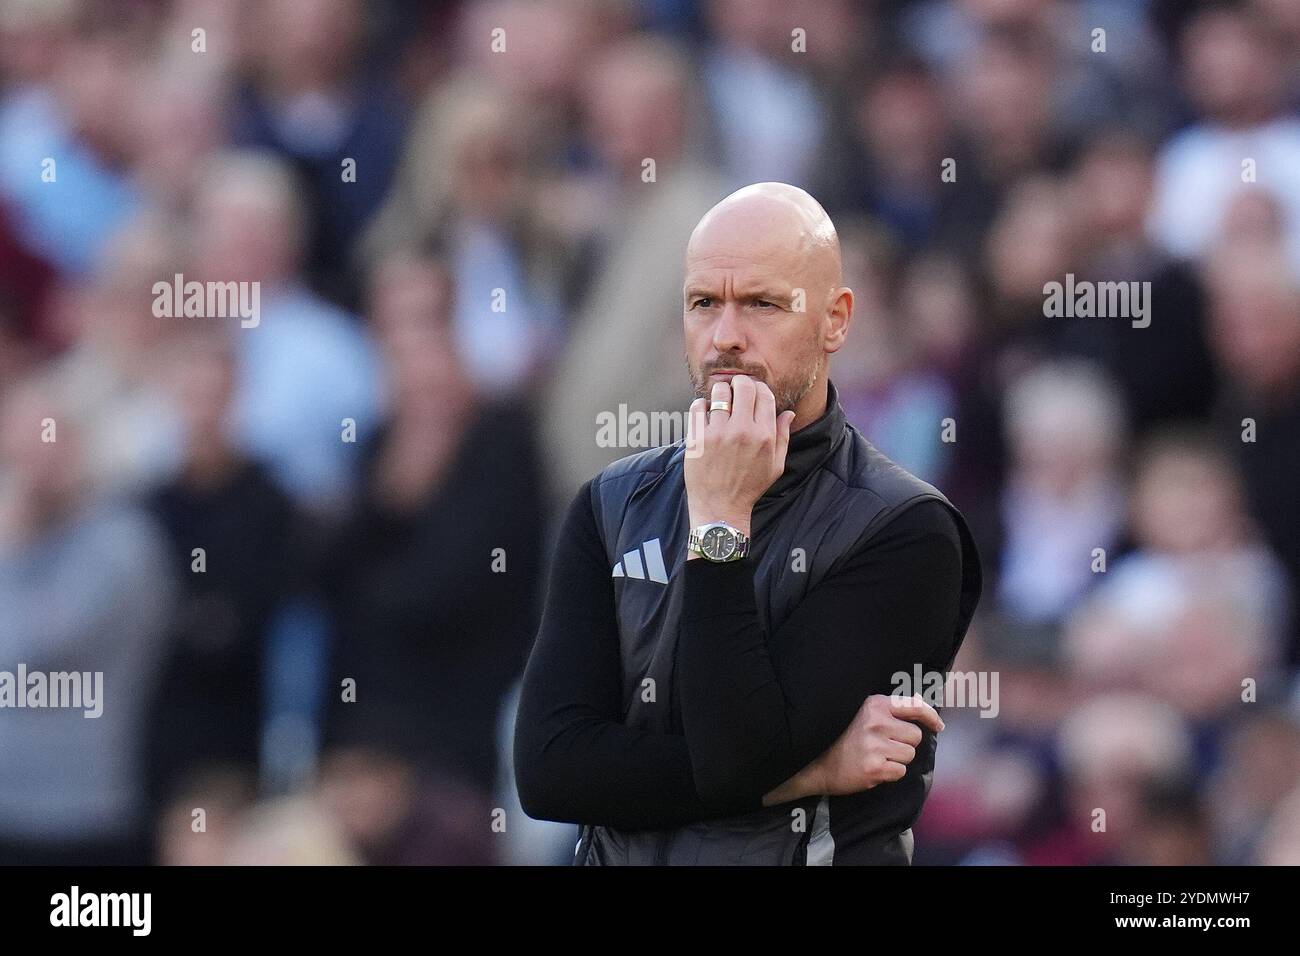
716 676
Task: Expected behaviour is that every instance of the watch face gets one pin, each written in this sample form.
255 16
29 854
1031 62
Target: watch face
718 544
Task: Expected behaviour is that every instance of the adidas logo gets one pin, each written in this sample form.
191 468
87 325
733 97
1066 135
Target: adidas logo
653 568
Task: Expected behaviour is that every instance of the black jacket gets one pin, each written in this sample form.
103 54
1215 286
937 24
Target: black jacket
837 499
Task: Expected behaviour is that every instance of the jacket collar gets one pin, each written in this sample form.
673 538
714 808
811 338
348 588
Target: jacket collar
809 447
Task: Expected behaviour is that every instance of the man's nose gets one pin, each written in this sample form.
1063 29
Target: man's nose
729 332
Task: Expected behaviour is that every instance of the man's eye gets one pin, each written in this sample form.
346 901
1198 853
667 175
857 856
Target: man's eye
761 303
704 302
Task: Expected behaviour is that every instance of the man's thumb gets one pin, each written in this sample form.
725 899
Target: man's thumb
783 423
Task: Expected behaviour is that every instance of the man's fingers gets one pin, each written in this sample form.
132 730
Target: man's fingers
743 393
764 406
696 418
722 392
904 731
783 423
897 771
916 709
898 751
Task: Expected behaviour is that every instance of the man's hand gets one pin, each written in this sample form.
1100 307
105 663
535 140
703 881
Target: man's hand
875 748
734 456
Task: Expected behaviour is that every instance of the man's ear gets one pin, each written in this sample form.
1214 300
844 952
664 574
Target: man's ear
840 316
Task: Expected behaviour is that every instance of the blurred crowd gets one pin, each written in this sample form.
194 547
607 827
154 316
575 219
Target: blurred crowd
308 555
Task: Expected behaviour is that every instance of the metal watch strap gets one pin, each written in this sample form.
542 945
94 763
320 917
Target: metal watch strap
695 543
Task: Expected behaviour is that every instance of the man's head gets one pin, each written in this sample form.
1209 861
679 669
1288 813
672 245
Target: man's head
42 449
635 104
1233 65
764 295
250 225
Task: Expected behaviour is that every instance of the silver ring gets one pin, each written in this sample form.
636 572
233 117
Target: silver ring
717 405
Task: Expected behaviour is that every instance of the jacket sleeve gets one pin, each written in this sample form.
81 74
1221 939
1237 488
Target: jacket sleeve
758 707
574 759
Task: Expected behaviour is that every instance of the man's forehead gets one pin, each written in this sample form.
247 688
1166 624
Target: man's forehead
748 237
758 247
742 275
762 248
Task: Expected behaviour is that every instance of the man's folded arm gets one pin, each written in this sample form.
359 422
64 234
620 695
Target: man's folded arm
756 708
574 759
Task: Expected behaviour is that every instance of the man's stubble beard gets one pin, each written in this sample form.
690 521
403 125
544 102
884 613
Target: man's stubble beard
788 392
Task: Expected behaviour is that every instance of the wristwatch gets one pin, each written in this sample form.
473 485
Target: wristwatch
718 541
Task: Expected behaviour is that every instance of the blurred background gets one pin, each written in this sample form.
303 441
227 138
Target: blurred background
463 259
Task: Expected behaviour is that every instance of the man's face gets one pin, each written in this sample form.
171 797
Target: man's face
752 306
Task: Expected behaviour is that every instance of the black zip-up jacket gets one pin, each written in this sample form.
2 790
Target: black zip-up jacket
664 698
